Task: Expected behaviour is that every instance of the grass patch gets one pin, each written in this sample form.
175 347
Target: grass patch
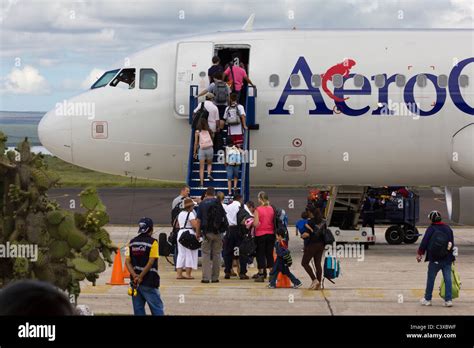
75 176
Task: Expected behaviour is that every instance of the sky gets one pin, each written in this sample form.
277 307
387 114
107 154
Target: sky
51 50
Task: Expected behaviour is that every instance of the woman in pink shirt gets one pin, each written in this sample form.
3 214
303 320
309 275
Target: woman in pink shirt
237 75
264 236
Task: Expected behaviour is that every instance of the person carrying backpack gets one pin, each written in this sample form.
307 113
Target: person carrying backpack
203 142
283 261
208 110
438 244
212 223
314 248
221 92
233 161
234 117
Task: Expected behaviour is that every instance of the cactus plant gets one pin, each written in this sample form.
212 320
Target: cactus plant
71 247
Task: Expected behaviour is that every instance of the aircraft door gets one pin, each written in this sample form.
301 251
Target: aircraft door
193 60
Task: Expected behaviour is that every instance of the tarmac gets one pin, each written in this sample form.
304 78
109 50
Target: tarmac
388 281
127 205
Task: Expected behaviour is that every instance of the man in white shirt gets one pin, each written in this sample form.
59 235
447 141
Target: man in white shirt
213 119
233 239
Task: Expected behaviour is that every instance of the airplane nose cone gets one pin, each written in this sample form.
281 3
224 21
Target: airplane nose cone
54 132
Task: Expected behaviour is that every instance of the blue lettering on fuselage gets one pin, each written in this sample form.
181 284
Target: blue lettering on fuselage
321 108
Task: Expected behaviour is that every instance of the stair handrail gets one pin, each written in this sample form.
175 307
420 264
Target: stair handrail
193 92
193 101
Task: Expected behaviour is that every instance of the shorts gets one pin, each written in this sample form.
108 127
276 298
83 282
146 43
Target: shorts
232 172
237 139
206 154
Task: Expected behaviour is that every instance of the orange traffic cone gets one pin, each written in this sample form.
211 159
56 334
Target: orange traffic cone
283 281
117 271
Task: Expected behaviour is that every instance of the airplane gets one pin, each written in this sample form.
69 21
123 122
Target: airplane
343 108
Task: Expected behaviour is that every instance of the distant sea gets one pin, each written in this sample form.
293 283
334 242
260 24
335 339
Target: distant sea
18 125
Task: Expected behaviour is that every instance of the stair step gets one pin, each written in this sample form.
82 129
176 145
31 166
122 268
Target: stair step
207 180
213 172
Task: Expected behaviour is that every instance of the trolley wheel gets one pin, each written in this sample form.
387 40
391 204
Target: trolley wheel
394 235
411 234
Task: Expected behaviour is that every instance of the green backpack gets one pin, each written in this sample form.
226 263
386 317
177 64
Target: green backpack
456 280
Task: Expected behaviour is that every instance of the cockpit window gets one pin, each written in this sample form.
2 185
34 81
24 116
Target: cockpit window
125 78
105 79
148 79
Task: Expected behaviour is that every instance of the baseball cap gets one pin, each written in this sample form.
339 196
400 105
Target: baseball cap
145 225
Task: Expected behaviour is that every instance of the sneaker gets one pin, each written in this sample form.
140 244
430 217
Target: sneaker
260 279
227 276
448 304
425 302
298 285
205 281
215 281
233 274
255 276
313 285
244 276
270 286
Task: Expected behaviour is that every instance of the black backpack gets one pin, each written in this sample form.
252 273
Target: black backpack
173 237
164 247
438 245
247 247
201 113
216 219
326 234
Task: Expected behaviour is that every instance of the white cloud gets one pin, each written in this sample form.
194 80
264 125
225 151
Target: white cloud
92 77
48 62
27 80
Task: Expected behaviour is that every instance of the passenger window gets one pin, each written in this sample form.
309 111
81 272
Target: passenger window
148 79
421 80
105 78
295 80
379 81
463 81
125 79
274 80
443 81
358 81
400 80
337 80
316 80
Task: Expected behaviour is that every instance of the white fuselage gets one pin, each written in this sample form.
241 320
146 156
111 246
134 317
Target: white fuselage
148 131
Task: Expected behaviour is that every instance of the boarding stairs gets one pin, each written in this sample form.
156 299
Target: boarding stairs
218 167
